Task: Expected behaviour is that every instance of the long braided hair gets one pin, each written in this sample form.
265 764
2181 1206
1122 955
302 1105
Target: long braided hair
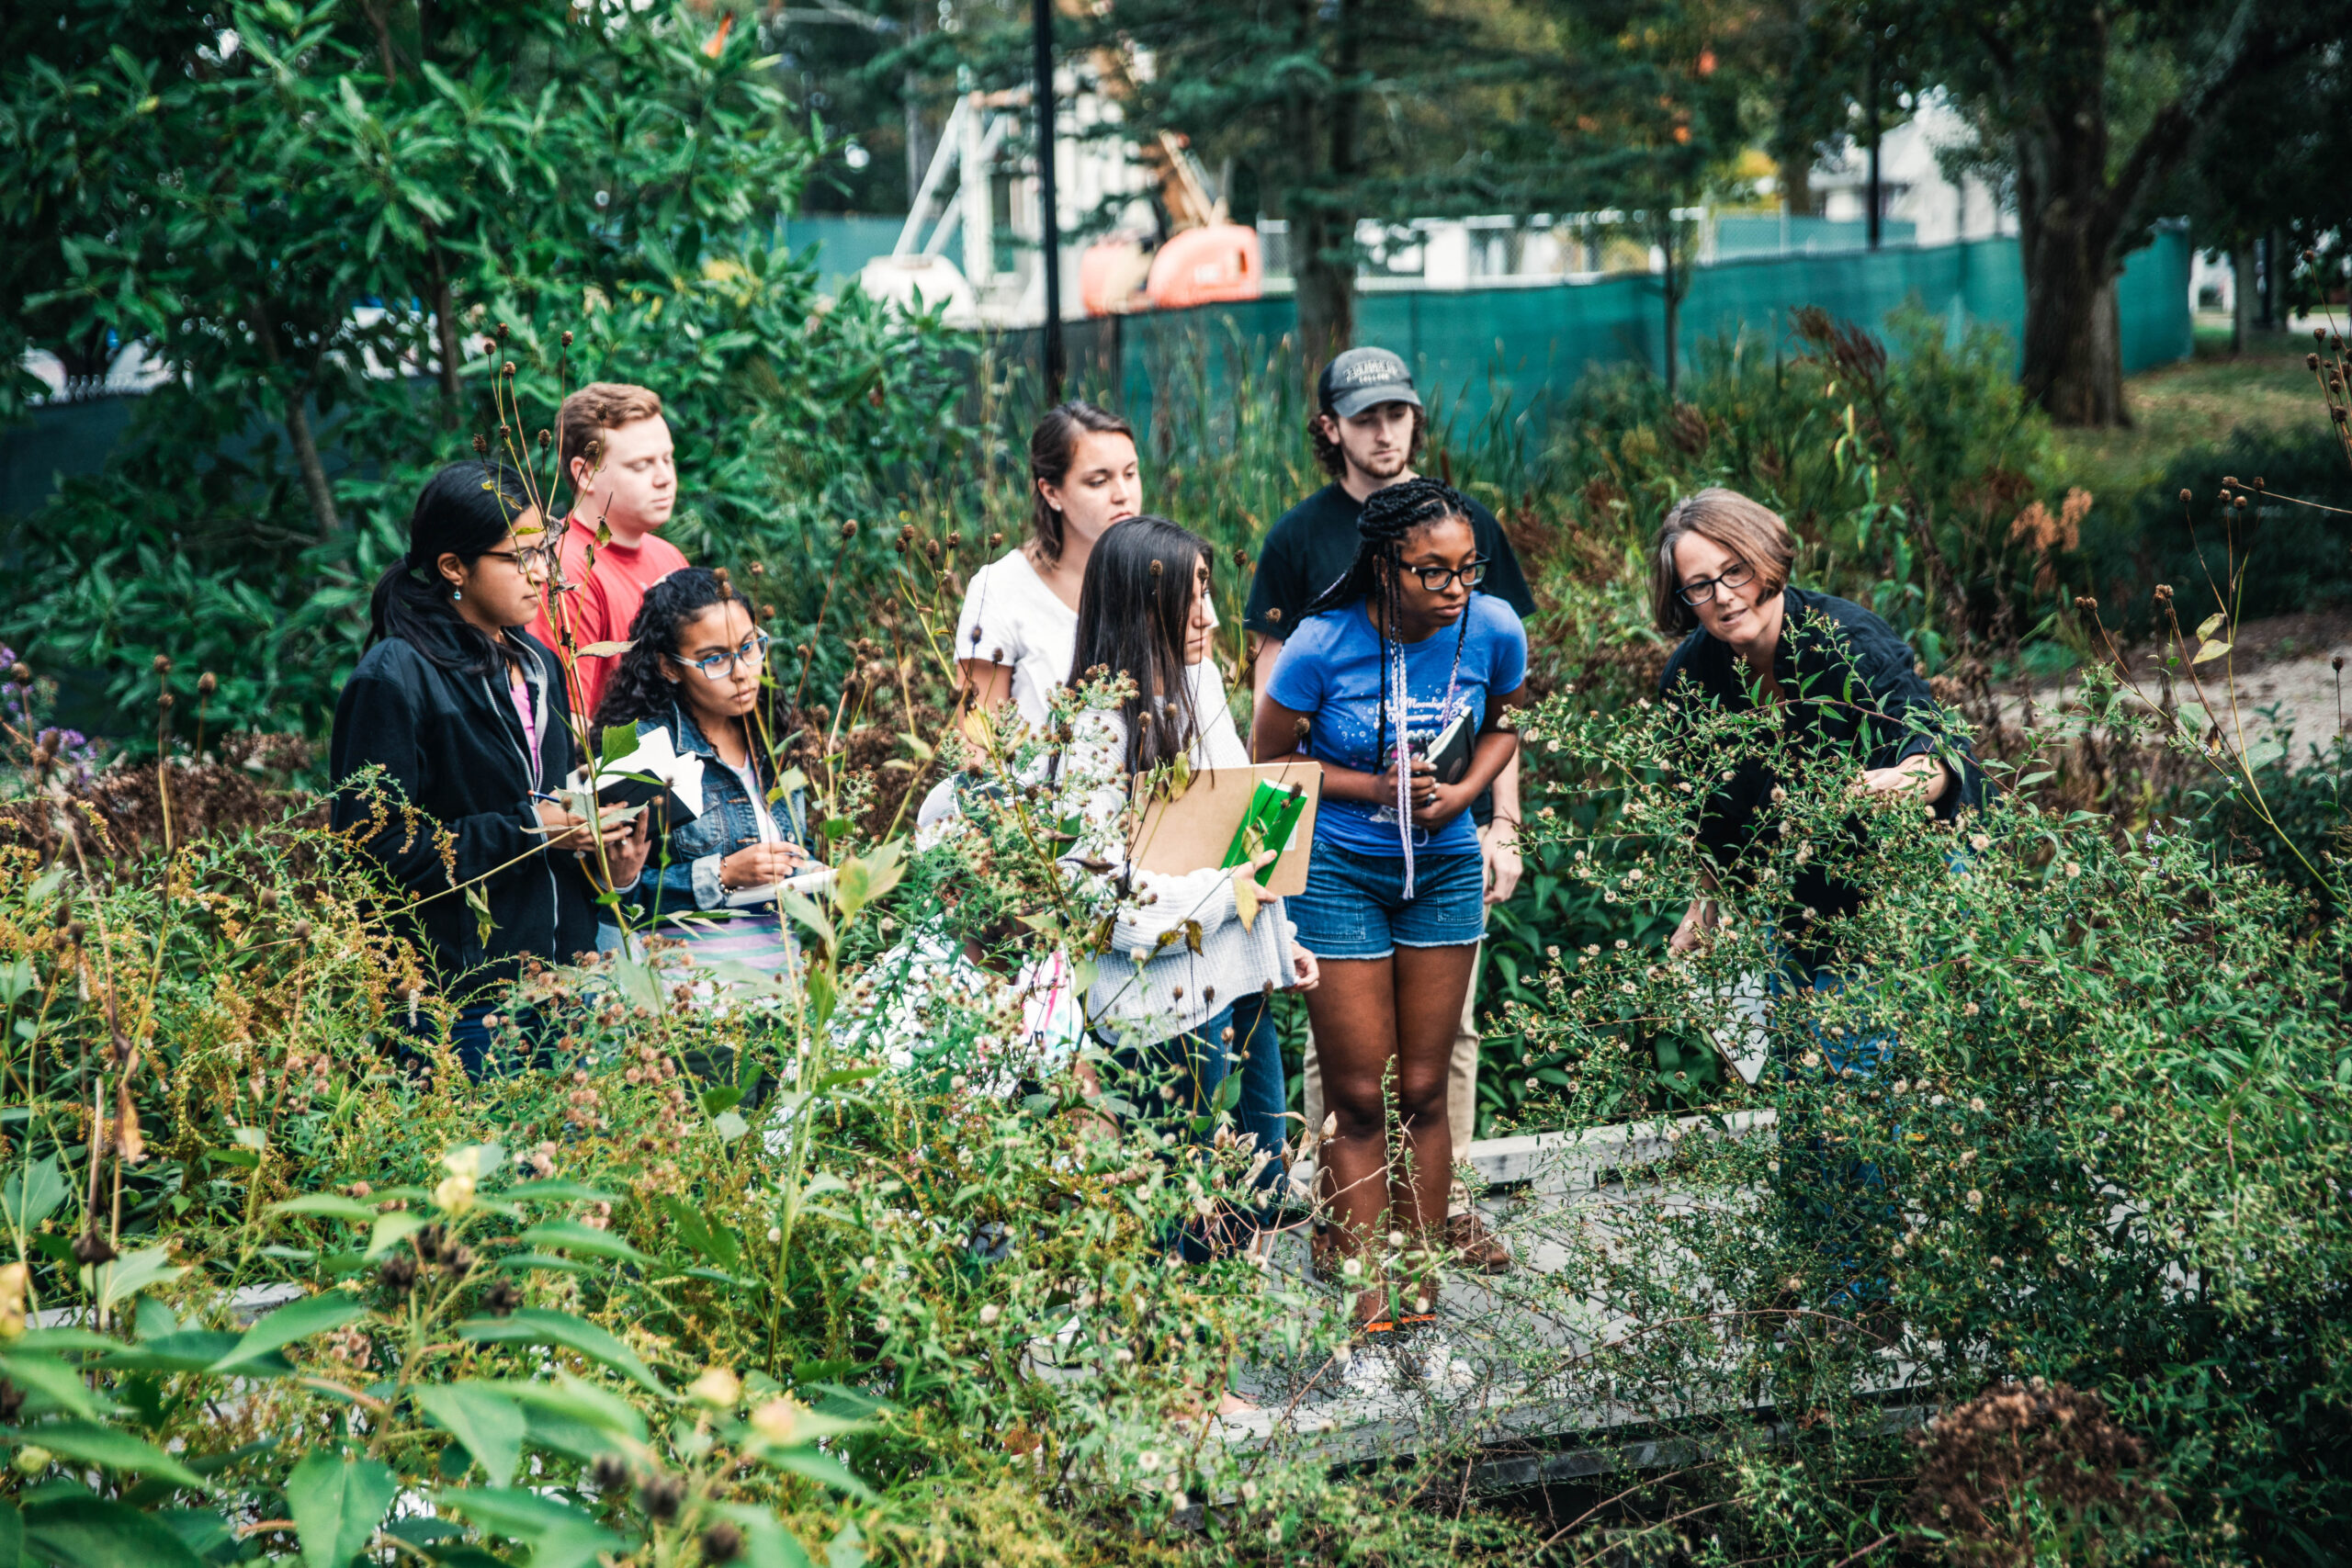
1390 517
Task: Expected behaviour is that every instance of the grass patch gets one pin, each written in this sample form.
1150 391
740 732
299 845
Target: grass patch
2199 402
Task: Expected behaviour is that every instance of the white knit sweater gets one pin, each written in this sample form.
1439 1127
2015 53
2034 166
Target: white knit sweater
1179 951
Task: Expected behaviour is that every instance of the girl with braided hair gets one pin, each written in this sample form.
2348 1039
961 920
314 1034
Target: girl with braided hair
693 667
1389 658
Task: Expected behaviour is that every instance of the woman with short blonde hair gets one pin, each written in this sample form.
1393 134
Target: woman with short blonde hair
1750 530
1843 676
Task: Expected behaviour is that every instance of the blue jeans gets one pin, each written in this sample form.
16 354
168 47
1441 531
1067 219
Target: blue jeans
1175 1081
1354 904
1265 1092
1832 1195
470 1038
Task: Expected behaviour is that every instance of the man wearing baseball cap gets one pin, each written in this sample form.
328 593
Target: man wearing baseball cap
1367 429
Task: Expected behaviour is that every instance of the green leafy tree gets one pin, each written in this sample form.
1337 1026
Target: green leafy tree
2093 108
319 218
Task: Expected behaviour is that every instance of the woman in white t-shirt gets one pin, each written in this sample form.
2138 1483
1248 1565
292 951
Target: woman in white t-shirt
1019 623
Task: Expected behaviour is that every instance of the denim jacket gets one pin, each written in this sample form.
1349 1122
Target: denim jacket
682 873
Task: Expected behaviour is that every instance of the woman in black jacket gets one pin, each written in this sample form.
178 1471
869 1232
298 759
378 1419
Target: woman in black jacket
1839 675
457 720
1839 678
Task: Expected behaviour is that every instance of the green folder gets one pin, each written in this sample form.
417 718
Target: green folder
1270 820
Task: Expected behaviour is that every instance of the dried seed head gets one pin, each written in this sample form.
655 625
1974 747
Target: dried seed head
1158 568
302 931
90 1249
567 339
22 674
162 664
849 530
206 683
610 1473
2311 361
722 1542
547 439
164 701
481 445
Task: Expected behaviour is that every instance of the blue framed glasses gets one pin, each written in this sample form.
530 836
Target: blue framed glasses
720 666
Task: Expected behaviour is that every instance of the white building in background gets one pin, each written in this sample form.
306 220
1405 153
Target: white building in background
1913 186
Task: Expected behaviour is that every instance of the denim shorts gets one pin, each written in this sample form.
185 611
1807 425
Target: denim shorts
1354 904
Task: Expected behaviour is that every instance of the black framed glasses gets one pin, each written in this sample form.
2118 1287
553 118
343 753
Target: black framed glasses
530 557
1438 578
720 666
1739 574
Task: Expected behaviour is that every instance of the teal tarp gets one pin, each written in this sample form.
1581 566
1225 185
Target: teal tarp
1506 351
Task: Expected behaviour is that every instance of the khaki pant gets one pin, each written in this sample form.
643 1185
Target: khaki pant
1461 1080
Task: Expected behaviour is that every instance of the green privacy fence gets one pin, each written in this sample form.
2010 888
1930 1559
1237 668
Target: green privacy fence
1480 354
1508 353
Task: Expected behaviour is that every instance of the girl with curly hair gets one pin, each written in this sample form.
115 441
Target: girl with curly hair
693 669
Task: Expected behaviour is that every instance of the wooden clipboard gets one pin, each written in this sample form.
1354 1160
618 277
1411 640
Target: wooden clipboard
1194 829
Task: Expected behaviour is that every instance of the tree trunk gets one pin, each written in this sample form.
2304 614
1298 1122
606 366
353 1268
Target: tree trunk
1673 315
297 431
2074 349
1325 264
314 473
2240 295
444 337
1323 246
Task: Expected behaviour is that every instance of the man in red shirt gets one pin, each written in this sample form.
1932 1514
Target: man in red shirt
616 451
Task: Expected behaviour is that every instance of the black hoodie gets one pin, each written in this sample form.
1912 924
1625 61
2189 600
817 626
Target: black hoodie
450 744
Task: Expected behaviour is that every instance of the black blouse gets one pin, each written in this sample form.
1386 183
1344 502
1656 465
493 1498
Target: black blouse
1846 680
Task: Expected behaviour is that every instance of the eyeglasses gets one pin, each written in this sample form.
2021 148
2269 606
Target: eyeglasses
720 666
530 557
1438 578
1739 574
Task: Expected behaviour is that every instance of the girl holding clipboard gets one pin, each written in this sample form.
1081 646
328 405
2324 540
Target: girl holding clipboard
1178 1011
1397 682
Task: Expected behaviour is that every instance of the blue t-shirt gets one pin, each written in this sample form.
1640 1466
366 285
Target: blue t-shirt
1329 671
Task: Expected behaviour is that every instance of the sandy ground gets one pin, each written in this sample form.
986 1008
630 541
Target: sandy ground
2285 664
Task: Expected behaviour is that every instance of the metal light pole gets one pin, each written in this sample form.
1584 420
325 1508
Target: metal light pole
1041 25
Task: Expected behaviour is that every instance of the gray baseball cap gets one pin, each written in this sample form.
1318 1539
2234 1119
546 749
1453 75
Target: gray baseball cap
1358 379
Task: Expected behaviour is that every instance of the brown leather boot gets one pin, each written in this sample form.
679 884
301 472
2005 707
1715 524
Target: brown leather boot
1474 1246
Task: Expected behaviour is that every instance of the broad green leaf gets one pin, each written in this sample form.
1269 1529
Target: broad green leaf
536 1326
816 1465
766 1543
488 1423
55 1340
393 1229
336 1504
574 1396
51 1384
108 1448
329 1204
320 1314
728 1126
12 1535
559 1191
2210 650
703 1234
132 1272
191 1350
2212 624
574 1237
559 1536
31 1193
95 1532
